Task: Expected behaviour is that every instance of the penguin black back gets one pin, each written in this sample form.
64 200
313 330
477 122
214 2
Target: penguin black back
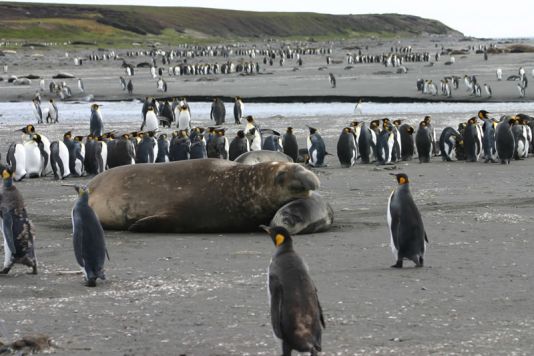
296 313
289 142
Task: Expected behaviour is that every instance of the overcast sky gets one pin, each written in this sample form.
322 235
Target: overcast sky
511 18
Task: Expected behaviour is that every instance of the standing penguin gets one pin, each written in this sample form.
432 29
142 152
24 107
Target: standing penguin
238 109
36 104
488 137
316 148
59 159
16 158
296 314
150 121
130 87
253 134
407 142
184 118
88 239
198 144
96 125
163 149
472 140
76 154
53 114
17 229
332 80
406 227
432 131
423 142
121 152
221 143
504 139
180 146
289 142
145 152
385 143
81 87
218 111
448 140
238 146
346 148
272 142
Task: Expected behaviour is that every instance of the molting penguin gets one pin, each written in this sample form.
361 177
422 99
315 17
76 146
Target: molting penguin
448 140
238 109
406 227
346 148
88 239
17 229
296 314
96 126
316 148
238 146
407 142
423 142
289 142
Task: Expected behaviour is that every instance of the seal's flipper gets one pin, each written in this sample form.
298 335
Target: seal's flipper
154 223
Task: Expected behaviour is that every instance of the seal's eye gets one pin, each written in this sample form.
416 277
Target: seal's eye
280 178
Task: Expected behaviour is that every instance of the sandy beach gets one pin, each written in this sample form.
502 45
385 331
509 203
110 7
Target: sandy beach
205 294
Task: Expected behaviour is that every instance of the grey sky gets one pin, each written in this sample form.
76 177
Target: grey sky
474 18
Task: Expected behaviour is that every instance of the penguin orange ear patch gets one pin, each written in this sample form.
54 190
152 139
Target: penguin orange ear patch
402 180
5 174
279 239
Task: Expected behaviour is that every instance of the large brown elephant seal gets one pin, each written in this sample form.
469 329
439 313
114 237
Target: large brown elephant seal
255 157
209 195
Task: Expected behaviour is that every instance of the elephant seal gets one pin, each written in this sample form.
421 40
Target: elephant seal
305 216
209 195
255 157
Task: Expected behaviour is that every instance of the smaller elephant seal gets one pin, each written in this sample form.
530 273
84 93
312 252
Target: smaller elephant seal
255 157
305 215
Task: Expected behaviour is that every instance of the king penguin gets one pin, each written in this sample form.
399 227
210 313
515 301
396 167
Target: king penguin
17 229
88 239
59 159
253 134
316 148
198 144
407 142
238 146
406 228
448 140
296 314
16 158
504 139
96 125
150 121
238 110
346 148
289 142
423 142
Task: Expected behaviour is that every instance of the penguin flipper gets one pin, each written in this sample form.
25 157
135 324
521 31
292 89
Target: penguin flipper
321 317
154 223
8 230
276 292
426 238
77 239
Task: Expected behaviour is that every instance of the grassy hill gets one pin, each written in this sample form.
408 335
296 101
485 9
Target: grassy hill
115 24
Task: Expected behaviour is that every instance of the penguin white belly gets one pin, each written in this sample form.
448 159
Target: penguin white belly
34 163
392 243
184 120
8 254
391 142
156 150
256 142
46 147
20 159
78 164
151 123
104 155
64 157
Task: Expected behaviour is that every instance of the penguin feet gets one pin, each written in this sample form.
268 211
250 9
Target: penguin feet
34 269
5 270
90 282
398 264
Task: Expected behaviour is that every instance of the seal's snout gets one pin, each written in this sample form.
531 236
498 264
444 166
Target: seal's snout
307 179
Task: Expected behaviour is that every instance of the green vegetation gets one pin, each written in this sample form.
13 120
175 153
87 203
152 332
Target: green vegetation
121 25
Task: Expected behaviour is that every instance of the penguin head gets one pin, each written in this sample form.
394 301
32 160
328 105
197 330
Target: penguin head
7 177
241 134
94 107
162 136
401 178
78 138
67 135
150 108
83 192
397 122
483 114
410 130
289 130
354 124
427 119
312 130
28 129
279 235
36 138
422 124
347 130
250 119
375 123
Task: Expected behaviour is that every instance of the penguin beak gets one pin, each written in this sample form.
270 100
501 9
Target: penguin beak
266 228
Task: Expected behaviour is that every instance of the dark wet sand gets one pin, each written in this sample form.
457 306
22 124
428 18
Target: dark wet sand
199 294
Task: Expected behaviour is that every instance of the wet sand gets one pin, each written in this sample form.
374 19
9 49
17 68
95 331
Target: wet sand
205 294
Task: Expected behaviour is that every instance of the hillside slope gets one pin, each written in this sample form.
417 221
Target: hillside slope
43 21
